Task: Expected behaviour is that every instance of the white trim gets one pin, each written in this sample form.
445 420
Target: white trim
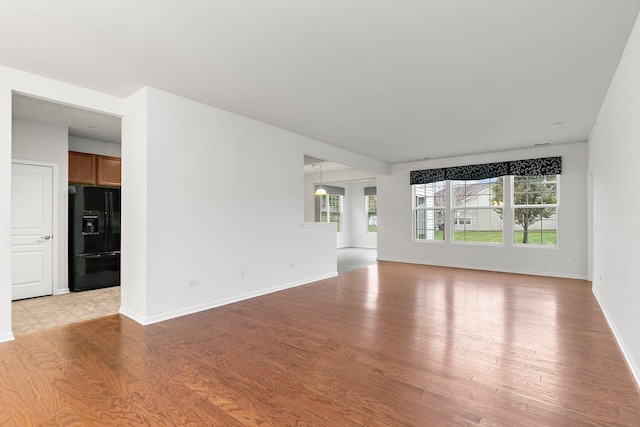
136 317
7 337
143 320
318 224
483 268
633 367
54 219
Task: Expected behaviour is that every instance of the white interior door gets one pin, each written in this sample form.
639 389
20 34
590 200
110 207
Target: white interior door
31 231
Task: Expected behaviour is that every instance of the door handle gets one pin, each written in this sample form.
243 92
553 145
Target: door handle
46 236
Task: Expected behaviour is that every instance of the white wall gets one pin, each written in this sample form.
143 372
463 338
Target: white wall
568 259
133 245
359 236
5 212
93 146
44 142
614 153
200 211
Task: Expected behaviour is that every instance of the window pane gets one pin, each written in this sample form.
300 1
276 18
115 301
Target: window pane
478 225
372 204
532 225
535 226
334 202
534 190
335 210
429 224
335 217
479 193
372 214
477 213
372 223
429 195
429 203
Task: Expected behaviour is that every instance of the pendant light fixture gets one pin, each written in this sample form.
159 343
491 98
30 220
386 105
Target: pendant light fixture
320 191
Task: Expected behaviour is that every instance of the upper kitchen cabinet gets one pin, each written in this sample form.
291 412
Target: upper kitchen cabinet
109 170
93 169
83 168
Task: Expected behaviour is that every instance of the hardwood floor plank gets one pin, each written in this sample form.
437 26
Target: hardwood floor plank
388 345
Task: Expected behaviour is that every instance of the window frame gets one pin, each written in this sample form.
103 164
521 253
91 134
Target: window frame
471 208
326 202
555 206
436 209
369 212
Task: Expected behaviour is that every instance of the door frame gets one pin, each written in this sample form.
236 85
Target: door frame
54 218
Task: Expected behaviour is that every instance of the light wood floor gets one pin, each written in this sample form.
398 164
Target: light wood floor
389 344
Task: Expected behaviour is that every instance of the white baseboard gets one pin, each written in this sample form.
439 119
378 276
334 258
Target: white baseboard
148 320
7 337
484 268
633 366
136 317
62 291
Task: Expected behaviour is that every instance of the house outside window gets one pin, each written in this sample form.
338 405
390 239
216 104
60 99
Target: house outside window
429 211
462 217
477 217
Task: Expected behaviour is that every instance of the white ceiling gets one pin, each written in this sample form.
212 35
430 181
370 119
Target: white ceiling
394 80
313 166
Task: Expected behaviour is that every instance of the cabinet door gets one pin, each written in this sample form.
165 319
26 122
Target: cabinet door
109 170
82 168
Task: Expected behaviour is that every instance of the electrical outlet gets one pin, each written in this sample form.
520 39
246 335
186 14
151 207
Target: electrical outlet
241 274
193 281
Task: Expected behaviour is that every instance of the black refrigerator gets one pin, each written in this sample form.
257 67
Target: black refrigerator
94 237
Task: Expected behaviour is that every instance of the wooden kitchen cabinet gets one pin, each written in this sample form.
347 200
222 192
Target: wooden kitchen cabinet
93 169
109 171
83 168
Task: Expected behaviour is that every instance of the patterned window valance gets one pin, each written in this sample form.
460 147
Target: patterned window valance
542 166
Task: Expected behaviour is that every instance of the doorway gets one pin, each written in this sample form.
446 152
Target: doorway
43 133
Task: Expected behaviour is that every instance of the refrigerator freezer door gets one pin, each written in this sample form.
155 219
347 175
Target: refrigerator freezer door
96 271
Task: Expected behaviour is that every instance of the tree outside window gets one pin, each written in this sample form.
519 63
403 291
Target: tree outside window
535 205
372 214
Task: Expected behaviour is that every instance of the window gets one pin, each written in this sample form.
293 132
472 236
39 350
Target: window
535 208
331 209
477 210
479 198
372 214
428 211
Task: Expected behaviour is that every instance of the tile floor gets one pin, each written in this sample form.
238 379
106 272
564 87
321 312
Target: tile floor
350 259
36 314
